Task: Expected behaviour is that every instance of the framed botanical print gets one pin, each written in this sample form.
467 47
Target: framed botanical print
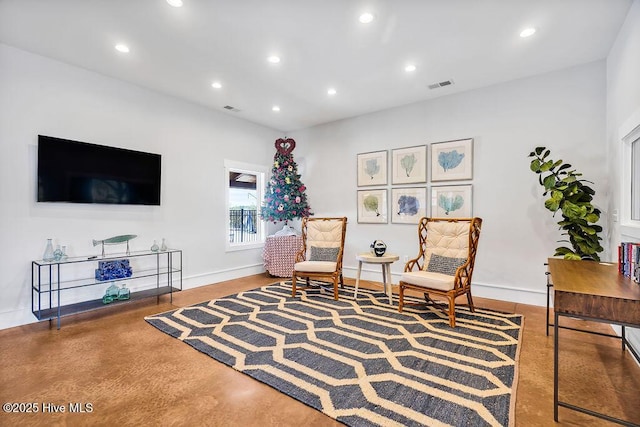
409 165
408 205
372 168
452 160
452 201
372 206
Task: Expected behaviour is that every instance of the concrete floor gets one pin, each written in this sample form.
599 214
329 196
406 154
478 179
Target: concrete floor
132 374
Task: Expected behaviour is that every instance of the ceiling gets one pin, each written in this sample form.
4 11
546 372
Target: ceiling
321 43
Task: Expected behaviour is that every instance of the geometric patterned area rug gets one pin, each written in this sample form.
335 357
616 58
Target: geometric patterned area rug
360 361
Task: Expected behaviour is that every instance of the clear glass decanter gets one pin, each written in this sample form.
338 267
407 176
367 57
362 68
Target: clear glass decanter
48 252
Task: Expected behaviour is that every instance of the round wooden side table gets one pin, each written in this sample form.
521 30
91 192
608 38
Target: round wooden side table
385 260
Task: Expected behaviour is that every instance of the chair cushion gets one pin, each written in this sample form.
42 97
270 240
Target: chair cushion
426 279
315 266
323 234
324 254
444 264
447 239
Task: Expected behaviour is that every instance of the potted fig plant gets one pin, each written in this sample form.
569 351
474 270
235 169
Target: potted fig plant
568 194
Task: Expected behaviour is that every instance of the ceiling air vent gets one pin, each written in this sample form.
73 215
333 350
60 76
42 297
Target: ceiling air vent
230 108
441 84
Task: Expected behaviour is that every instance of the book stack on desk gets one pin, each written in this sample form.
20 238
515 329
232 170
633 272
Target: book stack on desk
629 260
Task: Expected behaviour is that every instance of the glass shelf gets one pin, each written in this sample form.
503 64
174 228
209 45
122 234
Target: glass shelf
107 257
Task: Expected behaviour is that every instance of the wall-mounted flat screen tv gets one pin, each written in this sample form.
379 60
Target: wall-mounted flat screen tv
79 172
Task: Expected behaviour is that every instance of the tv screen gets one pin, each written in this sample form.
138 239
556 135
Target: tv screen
78 172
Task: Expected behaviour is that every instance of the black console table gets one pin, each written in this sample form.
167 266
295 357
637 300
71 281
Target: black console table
55 282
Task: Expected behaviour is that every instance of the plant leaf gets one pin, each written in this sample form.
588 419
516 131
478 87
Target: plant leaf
535 165
549 182
552 204
592 217
546 166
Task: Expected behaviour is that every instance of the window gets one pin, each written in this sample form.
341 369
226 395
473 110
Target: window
635 180
244 193
630 158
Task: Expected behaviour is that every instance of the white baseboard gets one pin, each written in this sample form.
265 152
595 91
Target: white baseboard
209 278
536 297
19 317
24 316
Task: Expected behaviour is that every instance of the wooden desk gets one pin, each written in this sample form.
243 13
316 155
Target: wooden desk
593 291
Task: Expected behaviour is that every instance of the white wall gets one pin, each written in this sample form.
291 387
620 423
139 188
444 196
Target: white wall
42 96
623 111
563 110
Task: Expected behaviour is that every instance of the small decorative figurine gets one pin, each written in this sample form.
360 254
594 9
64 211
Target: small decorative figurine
378 247
114 269
115 240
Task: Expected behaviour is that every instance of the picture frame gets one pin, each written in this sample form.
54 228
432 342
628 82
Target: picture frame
372 168
409 165
372 206
452 160
408 205
452 201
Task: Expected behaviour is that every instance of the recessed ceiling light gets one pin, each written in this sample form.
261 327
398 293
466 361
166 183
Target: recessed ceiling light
122 48
273 59
175 3
275 108
409 68
366 18
527 32
332 91
216 85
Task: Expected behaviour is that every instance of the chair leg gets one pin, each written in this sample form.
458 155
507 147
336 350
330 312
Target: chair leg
452 311
293 286
335 288
341 281
400 297
470 300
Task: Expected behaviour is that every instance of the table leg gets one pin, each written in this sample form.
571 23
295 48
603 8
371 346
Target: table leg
388 289
555 367
548 301
355 294
384 279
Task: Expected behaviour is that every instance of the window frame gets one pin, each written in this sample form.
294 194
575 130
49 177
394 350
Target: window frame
260 172
631 134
